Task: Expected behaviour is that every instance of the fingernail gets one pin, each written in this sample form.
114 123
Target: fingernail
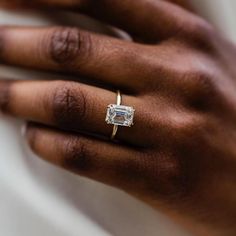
4 95
23 129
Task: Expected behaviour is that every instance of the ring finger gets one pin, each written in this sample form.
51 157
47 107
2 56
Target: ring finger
68 105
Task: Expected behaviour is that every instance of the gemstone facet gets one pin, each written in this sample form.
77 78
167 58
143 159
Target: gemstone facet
120 115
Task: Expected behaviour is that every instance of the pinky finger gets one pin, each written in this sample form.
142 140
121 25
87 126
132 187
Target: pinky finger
95 159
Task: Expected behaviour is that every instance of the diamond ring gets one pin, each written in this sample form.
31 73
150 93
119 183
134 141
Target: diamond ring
119 115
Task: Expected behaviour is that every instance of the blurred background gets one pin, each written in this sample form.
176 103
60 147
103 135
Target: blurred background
39 199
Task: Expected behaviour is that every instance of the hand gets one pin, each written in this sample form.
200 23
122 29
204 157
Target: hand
179 74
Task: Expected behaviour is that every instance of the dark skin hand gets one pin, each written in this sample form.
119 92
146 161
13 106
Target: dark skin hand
179 74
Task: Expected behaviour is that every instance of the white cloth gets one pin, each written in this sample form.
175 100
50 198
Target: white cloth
39 199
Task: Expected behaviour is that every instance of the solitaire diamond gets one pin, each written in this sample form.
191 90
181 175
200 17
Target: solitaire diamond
120 115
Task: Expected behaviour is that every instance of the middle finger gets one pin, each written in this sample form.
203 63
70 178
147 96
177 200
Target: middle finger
101 58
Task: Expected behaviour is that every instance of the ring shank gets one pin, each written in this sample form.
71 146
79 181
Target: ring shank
119 100
114 132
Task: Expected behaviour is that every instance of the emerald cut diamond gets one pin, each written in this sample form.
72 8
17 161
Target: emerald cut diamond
120 115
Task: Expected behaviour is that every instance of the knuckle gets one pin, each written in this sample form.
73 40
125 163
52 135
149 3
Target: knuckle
176 177
76 155
203 83
68 44
202 90
166 174
200 34
188 142
188 128
170 175
68 105
204 34
192 141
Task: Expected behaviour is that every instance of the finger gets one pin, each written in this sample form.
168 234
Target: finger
150 20
68 105
66 3
85 156
103 59
183 3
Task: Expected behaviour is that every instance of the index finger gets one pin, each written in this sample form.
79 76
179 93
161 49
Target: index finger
150 20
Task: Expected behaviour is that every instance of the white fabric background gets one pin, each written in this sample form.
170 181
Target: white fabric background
39 199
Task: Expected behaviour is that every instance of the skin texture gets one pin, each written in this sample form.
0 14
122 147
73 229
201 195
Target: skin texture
179 75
